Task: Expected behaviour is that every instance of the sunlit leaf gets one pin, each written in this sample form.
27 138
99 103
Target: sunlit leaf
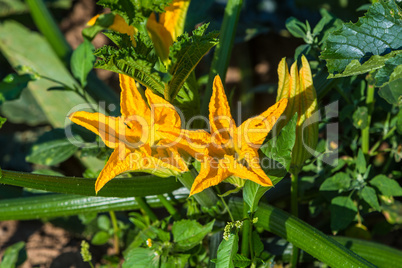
377 33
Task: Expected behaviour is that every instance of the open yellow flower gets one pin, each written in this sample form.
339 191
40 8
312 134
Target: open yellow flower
137 135
232 150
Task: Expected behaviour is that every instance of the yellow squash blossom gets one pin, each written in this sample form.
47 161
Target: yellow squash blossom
297 86
232 150
137 136
170 25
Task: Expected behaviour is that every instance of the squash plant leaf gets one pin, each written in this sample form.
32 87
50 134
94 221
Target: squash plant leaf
135 11
377 33
138 62
185 54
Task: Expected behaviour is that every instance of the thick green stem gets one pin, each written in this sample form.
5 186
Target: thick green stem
366 130
302 235
146 208
115 232
223 49
294 207
172 211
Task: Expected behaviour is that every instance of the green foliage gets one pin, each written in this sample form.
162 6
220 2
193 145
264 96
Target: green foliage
278 151
377 33
14 256
82 61
185 54
343 212
360 118
369 195
227 251
189 233
52 148
12 86
138 62
340 181
102 23
386 186
2 121
135 11
317 36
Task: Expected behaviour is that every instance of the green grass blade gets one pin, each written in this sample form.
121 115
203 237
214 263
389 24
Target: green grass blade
303 236
46 24
119 187
58 205
224 48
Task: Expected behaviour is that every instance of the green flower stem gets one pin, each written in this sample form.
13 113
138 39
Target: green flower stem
294 207
223 49
172 211
303 236
366 130
116 241
245 248
146 208
206 198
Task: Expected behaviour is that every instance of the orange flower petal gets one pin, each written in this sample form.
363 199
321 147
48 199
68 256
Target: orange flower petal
118 163
254 130
160 36
112 130
92 21
174 18
131 100
164 114
221 122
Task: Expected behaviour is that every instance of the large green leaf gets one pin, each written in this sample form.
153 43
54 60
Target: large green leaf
355 67
118 187
302 235
189 233
39 56
185 54
377 33
138 62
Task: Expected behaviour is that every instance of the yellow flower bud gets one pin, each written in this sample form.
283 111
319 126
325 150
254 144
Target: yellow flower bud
297 86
